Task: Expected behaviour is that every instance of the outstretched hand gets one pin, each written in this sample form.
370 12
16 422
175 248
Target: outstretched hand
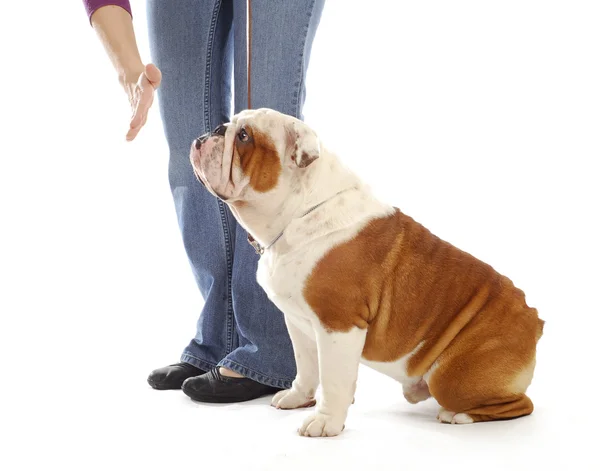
141 97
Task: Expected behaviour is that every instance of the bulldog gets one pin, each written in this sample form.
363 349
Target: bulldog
358 281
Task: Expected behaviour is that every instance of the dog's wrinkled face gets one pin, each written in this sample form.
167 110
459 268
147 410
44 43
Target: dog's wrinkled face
259 154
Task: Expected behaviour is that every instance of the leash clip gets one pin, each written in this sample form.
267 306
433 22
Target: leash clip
257 247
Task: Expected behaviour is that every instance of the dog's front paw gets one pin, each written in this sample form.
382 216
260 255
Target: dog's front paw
292 399
321 425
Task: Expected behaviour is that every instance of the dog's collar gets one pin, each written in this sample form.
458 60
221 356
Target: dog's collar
261 250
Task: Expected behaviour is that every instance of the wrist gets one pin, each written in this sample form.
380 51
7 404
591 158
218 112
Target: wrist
115 29
130 75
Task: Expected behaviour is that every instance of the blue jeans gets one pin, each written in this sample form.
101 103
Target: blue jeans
200 46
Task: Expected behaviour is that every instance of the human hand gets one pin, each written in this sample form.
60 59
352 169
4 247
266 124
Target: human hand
140 89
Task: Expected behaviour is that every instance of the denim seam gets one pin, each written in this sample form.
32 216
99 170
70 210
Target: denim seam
299 83
207 125
208 72
228 250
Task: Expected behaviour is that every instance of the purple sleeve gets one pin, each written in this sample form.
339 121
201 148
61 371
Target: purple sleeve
92 5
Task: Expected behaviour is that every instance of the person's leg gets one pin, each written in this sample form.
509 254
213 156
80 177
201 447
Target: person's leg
283 33
191 43
282 38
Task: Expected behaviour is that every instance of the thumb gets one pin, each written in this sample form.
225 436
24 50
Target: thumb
153 74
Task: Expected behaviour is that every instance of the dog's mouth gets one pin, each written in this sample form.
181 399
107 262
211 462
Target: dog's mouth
198 176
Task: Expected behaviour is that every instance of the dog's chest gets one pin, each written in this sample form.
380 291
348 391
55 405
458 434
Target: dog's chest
284 277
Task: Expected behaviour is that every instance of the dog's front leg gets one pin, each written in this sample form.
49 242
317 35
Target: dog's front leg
339 357
302 392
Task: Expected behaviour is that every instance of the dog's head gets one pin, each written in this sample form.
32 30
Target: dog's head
259 156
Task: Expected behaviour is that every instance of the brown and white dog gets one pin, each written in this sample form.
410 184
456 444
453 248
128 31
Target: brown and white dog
359 281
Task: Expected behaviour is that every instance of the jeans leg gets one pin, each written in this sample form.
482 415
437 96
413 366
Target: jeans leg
282 37
191 43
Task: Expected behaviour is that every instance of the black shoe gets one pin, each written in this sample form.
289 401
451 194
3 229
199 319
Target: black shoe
173 376
214 387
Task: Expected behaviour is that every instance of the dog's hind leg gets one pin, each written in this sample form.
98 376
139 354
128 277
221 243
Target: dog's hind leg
509 409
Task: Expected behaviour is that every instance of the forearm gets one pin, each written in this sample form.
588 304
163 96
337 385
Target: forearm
114 27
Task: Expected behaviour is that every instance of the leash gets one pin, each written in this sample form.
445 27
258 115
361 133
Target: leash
260 250
249 51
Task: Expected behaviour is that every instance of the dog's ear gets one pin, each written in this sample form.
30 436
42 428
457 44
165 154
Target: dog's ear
303 146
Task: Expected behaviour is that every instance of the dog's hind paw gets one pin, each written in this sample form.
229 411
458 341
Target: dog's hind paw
448 417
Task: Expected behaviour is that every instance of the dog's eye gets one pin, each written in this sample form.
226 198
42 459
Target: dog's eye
243 135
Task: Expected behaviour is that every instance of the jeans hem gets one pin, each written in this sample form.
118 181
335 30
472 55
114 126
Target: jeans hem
197 362
255 375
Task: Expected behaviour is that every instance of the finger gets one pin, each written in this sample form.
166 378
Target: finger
131 135
143 105
143 100
138 121
133 132
135 129
153 74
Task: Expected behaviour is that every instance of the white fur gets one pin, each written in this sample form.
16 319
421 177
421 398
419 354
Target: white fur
448 417
305 384
328 358
282 272
396 369
339 356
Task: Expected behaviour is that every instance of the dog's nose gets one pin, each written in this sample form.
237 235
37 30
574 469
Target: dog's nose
201 140
220 130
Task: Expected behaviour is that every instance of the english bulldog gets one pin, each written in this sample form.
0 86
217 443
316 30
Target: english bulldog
358 281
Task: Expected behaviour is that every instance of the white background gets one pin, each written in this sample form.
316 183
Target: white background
479 119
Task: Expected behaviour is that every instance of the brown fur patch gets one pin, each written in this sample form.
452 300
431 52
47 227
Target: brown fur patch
259 160
411 288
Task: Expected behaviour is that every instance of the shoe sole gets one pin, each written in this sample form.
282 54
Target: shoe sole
161 387
222 400
225 399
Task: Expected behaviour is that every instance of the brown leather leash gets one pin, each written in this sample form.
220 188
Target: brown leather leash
249 50
251 240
